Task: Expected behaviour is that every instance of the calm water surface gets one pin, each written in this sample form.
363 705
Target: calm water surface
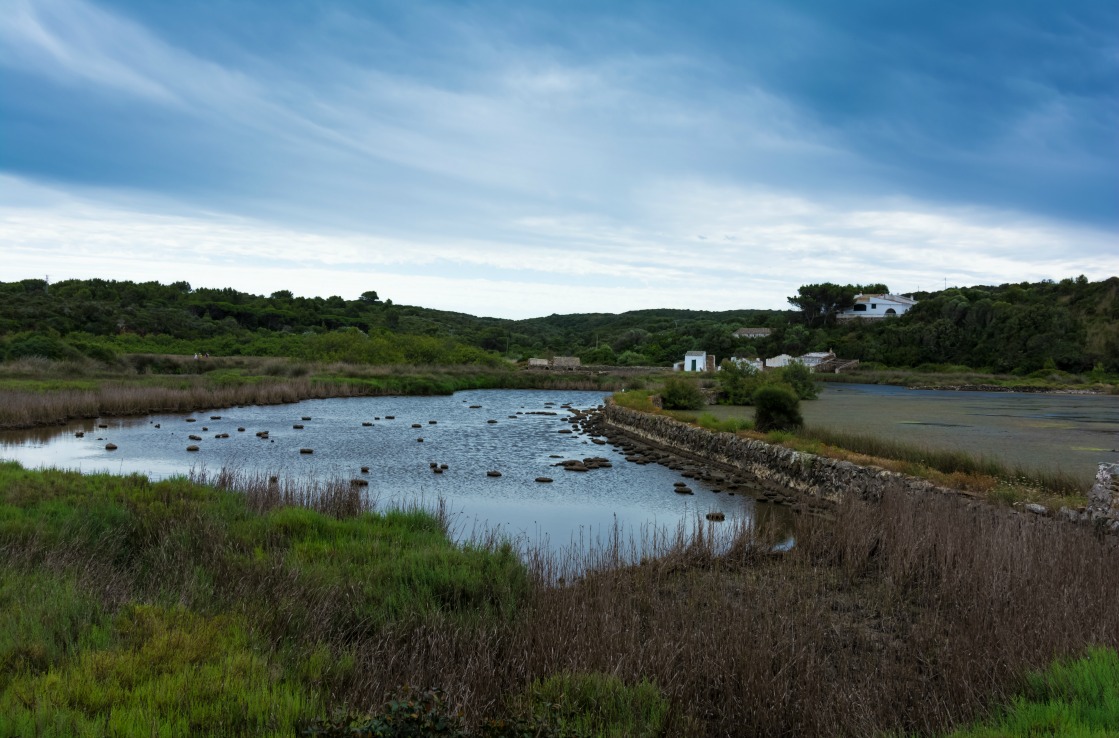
1070 433
575 507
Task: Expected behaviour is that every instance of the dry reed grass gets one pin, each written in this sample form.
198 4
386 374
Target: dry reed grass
912 615
24 409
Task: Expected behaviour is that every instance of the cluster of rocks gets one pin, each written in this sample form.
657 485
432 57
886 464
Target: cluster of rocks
1102 510
587 464
718 477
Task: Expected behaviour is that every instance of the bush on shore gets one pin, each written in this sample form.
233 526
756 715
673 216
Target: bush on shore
778 409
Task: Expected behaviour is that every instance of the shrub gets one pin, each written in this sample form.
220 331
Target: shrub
778 408
799 377
737 383
680 394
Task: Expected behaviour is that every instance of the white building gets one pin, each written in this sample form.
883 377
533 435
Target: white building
755 364
699 361
877 306
752 333
776 362
815 358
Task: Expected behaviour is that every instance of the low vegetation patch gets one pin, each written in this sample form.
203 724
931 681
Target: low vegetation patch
129 607
35 392
1078 698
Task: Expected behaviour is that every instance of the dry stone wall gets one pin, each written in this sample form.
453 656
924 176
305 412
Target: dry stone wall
1102 510
821 478
775 467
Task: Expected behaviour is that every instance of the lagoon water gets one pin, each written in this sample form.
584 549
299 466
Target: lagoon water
577 507
1044 432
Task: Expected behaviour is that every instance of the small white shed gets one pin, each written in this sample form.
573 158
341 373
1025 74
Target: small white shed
698 361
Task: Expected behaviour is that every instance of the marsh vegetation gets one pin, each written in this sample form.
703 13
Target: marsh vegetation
129 606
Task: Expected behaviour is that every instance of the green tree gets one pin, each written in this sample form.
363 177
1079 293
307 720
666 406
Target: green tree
820 303
737 382
680 394
799 377
778 408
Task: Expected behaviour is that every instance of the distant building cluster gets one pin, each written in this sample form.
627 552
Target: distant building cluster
816 361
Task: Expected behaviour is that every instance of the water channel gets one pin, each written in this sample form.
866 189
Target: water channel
523 443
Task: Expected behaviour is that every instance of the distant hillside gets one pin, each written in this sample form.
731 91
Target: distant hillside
1071 325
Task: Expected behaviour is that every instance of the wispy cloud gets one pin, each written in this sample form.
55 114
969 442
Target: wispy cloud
624 157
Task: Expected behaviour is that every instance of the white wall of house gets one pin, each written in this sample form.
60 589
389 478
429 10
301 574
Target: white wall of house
776 362
695 361
878 306
753 363
816 357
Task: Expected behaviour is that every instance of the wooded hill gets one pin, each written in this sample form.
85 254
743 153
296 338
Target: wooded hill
1071 325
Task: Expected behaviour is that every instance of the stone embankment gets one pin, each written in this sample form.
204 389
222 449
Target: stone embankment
817 479
773 467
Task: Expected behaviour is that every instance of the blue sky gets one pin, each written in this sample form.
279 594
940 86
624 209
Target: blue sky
524 158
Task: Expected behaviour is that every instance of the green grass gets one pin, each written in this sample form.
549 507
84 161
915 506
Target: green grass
723 425
600 705
636 400
129 607
154 670
1073 699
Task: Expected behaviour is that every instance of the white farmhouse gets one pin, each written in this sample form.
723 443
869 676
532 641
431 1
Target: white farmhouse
877 306
699 361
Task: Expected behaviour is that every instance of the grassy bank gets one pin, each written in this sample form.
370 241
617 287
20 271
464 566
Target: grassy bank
129 607
35 392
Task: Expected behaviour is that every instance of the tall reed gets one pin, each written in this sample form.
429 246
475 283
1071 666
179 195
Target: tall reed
914 615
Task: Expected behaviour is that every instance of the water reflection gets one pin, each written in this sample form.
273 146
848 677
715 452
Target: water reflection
516 432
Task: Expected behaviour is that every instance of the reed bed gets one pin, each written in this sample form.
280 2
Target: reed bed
23 409
912 616
40 392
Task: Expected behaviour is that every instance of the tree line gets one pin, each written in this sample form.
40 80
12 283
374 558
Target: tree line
1072 325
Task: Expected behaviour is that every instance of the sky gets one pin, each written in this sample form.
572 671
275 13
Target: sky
523 158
